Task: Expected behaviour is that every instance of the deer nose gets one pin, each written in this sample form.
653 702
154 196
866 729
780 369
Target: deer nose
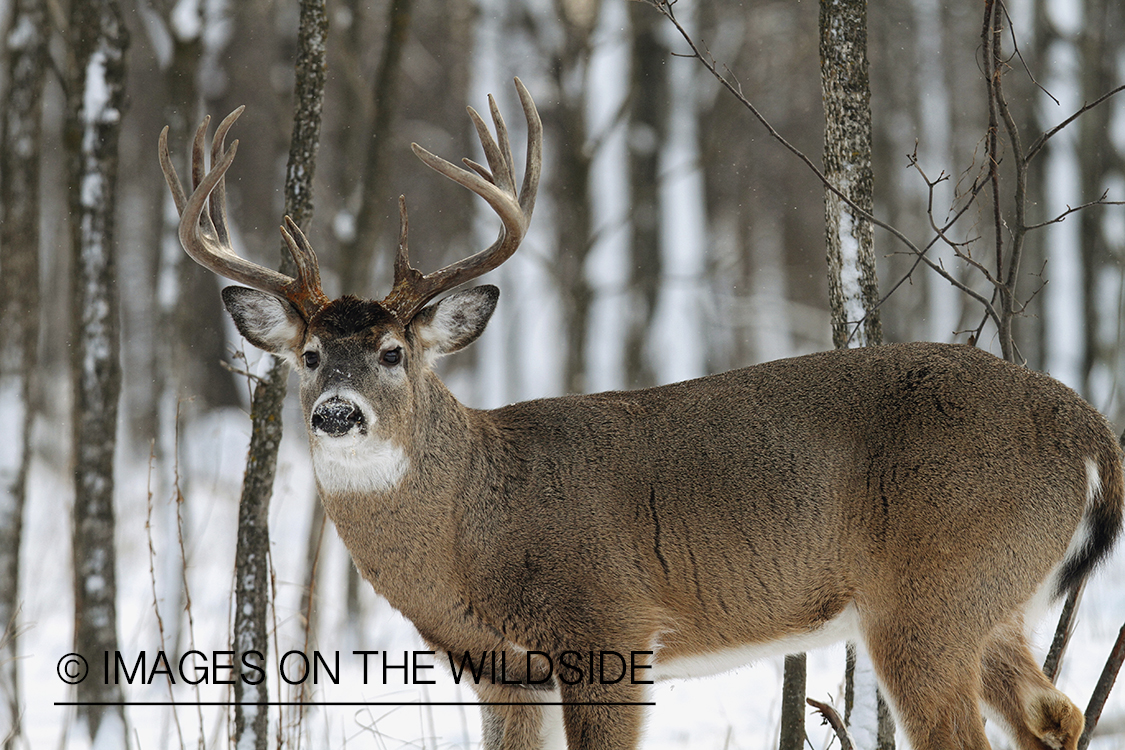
336 417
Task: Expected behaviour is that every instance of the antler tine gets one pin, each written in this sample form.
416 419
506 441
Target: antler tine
218 201
203 226
179 197
304 291
534 159
496 186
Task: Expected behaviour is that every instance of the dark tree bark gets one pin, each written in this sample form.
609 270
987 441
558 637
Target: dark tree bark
570 188
252 573
95 109
793 704
648 108
1100 161
20 144
356 255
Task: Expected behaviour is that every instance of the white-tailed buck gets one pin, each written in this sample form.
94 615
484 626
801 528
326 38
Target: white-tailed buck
919 497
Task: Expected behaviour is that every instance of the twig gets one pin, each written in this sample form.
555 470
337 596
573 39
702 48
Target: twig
308 617
1063 631
1016 53
244 372
179 496
1101 690
832 718
1041 141
1100 201
152 579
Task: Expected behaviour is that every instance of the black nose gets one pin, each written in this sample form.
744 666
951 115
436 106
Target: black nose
337 417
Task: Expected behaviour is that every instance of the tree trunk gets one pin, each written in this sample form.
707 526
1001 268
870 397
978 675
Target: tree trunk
852 285
570 188
20 144
94 113
1099 161
648 108
853 289
178 323
356 253
793 704
252 572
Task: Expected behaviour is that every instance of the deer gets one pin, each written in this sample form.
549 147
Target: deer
925 499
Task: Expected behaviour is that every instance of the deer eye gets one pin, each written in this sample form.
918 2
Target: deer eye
312 359
391 357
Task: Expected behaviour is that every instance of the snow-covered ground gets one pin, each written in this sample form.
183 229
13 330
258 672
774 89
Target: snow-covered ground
736 710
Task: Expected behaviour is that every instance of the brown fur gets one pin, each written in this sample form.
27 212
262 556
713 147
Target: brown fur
933 488
925 491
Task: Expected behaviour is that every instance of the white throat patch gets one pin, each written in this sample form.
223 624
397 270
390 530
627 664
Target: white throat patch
357 462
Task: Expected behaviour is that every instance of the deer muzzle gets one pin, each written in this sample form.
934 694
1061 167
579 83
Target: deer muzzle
337 417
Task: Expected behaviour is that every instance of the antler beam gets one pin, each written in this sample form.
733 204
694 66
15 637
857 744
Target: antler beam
496 184
203 224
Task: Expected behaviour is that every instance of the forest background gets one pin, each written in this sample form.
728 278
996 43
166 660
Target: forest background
673 238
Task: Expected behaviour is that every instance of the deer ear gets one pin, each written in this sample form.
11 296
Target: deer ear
266 321
456 321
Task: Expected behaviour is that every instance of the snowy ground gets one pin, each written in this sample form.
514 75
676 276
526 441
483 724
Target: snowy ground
736 710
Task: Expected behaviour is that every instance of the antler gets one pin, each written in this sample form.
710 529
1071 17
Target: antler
203 225
412 290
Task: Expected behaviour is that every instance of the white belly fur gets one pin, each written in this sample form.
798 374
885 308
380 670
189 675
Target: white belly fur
845 626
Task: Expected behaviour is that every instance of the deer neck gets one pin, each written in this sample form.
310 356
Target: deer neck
402 534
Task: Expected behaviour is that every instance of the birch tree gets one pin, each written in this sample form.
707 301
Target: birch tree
852 285
96 88
20 142
252 572
853 291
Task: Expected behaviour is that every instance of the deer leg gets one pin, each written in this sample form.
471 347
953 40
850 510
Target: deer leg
506 727
1036 714
592 727
931 675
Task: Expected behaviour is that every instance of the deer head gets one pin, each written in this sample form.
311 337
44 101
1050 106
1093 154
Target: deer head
356 357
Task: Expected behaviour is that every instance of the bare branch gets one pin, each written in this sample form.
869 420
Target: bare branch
1100 201
831 717
1063 632
1041 141
1102 689
1019 55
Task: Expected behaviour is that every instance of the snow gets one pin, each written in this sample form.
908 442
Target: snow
851 274
187 20
112 734
96 95
23 34
737 710
865 703
12 411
